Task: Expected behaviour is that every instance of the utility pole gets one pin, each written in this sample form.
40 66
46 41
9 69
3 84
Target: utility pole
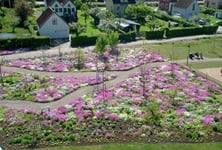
188 53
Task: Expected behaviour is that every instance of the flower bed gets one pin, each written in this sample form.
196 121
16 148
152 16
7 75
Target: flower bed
127 59
160 104
43 89
9 52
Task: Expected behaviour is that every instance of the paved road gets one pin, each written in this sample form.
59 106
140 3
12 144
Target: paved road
121 75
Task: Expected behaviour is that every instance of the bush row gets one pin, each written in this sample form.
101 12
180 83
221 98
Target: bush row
154 34
191 31
181 32
32 42
87 41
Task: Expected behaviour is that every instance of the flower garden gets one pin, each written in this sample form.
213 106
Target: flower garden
166 103
126 59
37 88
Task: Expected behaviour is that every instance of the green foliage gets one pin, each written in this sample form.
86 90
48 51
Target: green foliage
218 128
154 34
32 42
101 44
113 40
83 40
191 31
79 59
127 37
164 16
17 140
138 12
77 28
85 9
23 9
193 135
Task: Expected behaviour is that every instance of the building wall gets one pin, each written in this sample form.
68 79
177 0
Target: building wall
214 3
55 27
187 13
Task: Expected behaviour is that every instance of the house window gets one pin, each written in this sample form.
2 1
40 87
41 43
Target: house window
65 10
54 21
73 9
68 5
60 9
193 7
56 9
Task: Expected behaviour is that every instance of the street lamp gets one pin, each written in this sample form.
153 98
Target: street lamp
188 53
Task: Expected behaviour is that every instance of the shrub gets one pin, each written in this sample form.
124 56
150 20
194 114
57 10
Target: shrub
193 134
83 41
218 128
15 140
127 37
24 42
154 34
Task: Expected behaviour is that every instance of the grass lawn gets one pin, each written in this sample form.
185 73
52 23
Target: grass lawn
210 47
140 146
201 65
91 30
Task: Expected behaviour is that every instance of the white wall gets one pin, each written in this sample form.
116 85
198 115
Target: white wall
188 12
59 30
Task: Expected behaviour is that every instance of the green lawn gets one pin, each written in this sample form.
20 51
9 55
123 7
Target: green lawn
200 65
141 146
210 47
91 30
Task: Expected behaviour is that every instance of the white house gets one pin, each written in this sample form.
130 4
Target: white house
213 3
118 6
64 8
186 8
50 24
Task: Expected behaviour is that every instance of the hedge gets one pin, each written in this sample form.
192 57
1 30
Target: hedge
83 40
31 42
127 37
154 34
87 41
191 31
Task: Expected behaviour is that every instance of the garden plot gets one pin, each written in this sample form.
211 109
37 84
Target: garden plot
124 59
15 86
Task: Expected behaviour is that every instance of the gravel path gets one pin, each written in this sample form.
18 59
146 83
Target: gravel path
121 75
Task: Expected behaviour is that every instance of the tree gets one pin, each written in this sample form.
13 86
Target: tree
138 12
113 40
101 44
79 56
107 26
77 28
23 9
85 9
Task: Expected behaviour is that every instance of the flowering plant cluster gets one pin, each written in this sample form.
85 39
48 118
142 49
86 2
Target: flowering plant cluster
167 95
125 60
44 88
9 52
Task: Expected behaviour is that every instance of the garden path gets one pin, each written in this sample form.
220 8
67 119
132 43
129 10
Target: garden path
121 75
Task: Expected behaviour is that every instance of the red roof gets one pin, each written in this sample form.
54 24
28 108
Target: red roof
44 16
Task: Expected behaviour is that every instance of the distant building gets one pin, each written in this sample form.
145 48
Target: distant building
118 6
166 5
52 25
64 8
186 8
213 4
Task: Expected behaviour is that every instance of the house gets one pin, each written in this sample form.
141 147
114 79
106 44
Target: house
51 24
185 8
213 4
118 6
64 8
166 5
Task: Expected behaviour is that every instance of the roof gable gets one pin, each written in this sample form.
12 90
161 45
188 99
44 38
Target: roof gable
50 2
44 16
183 3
